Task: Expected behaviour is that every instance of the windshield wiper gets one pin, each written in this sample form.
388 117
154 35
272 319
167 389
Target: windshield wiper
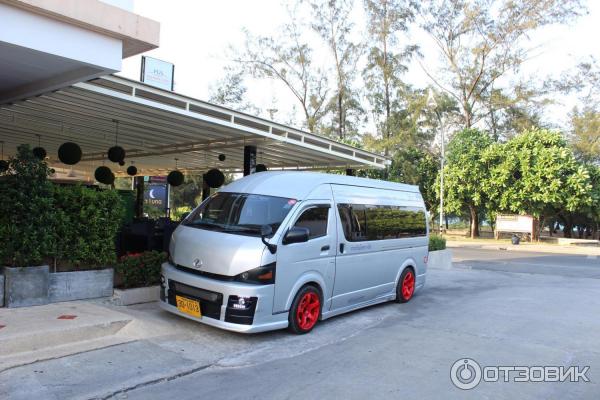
241 229
205 224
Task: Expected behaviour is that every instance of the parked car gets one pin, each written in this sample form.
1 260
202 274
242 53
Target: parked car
287 249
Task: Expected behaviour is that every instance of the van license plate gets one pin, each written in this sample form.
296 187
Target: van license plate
188 306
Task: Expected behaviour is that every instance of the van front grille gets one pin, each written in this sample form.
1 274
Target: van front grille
210 302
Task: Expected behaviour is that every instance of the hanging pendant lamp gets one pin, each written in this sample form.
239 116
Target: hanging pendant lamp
175 177
39 152
116 153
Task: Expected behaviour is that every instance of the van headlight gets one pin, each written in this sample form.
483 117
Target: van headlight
264 275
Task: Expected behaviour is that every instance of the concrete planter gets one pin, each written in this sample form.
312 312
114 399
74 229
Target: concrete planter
26 286
1 290
440 259
126 297
79 285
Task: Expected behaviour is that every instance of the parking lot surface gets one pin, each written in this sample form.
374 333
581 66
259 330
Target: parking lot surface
497 309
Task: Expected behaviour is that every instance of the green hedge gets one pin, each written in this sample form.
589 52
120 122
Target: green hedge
140 269
86 225
436 242
72 226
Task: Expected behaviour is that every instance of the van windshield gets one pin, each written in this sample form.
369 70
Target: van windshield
240 213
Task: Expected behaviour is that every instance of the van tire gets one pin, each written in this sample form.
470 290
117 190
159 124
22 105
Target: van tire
305 310
405 289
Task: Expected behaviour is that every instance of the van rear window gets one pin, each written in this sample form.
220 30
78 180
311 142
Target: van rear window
240 213
362 222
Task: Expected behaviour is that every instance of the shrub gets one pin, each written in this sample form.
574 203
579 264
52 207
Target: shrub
436 242
26 211
86 225
140 269
44 223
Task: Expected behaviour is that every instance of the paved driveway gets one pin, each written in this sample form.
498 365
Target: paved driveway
496 316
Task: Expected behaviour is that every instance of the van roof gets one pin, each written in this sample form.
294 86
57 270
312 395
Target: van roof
299 184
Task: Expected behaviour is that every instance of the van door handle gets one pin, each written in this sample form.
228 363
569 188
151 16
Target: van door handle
325 248
341 247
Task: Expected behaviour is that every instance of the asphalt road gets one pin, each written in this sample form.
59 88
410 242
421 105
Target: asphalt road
497 308
567 265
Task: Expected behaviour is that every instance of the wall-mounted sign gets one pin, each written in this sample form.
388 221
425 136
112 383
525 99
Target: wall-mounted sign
156 195
157 73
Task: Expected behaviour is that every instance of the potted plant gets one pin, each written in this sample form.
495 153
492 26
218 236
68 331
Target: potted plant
138 277
26 229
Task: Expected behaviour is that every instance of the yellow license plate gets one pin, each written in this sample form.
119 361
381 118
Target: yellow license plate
188 306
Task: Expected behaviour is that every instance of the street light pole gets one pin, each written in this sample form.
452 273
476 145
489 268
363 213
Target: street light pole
442 128
433 102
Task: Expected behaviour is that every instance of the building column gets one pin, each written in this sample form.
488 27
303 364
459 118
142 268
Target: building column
249 160
138 183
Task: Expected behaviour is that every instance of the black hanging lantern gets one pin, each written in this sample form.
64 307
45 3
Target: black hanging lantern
175 178
69 153
39 153
260 168
104 175
122 163
132 170
116 153
214 178
222 157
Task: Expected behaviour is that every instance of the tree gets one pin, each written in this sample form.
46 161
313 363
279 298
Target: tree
331 21
231 91
585 134
535 173
464 175
481 42
385 65
418 167
288 59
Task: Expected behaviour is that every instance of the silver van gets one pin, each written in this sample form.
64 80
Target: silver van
286 249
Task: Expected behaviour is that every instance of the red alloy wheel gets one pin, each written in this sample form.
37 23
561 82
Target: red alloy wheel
308 311
408 285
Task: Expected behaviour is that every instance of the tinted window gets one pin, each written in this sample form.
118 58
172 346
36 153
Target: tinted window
368 222
315 219
240 213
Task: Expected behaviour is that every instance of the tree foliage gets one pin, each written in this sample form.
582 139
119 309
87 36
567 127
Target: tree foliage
331 21
465 173
386 63
288 59
536 172
483 41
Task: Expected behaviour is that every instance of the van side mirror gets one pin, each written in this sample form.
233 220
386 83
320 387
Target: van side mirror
296 234
265 232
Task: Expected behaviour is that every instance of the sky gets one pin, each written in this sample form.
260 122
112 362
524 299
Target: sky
195 36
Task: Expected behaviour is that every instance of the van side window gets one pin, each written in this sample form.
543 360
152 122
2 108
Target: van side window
315 219
362 222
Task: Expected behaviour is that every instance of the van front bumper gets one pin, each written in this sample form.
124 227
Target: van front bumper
214 296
